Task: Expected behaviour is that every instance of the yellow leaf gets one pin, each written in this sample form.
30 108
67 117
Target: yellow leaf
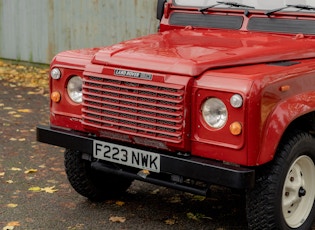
15 169
9 181
120 203
22 139
49 189
12 205
2 173
117 219
199 198
30 171
35 189
25 110
14 223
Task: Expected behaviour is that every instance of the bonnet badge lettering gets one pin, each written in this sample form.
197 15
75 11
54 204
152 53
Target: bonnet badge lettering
132 74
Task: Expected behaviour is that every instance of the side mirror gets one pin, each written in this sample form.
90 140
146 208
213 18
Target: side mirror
160 9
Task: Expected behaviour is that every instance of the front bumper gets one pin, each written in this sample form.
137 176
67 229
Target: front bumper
194 168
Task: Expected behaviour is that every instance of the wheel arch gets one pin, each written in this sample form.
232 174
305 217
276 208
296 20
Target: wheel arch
297 113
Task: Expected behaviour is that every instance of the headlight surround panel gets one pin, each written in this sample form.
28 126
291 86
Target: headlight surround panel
216 114
67 111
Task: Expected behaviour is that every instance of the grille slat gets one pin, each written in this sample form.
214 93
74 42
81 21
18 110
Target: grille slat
138 121
158 118
141 108
117 98
136 95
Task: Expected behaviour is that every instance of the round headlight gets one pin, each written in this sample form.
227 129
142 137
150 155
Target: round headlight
55 73
74 89
236 101
214 113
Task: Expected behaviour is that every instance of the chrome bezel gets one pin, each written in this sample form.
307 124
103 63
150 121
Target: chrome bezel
214 113
74 89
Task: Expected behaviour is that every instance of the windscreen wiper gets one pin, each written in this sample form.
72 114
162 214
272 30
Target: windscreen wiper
300 7
232 4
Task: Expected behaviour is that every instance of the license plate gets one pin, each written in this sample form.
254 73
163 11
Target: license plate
126 156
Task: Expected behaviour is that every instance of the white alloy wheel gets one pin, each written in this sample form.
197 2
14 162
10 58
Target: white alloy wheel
298 191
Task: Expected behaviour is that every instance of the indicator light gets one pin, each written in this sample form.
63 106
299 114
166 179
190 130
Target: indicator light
236 128
55 96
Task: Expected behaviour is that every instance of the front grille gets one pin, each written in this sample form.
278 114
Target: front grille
135 107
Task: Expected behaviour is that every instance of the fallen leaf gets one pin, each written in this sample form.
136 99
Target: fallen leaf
30 171
11 225
49 189
35 189
13 139
14 223
170 221
175 199
20 67
120 203
154 192
15 169
25 110
117 219
9 181
2 173
12 205
197 216
8 228
192 216
199 198
22 139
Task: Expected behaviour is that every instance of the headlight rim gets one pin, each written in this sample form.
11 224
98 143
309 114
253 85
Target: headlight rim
74 91
222 121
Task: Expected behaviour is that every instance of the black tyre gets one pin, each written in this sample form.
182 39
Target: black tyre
94 185
283 197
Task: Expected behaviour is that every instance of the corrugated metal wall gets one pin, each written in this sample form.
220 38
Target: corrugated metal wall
36 30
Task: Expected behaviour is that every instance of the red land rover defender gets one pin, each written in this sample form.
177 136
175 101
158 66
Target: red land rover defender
223 94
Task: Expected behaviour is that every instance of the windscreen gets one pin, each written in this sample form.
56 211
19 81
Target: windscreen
258 4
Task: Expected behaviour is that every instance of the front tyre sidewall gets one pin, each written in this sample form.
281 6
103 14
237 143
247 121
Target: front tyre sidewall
287 180
297 189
